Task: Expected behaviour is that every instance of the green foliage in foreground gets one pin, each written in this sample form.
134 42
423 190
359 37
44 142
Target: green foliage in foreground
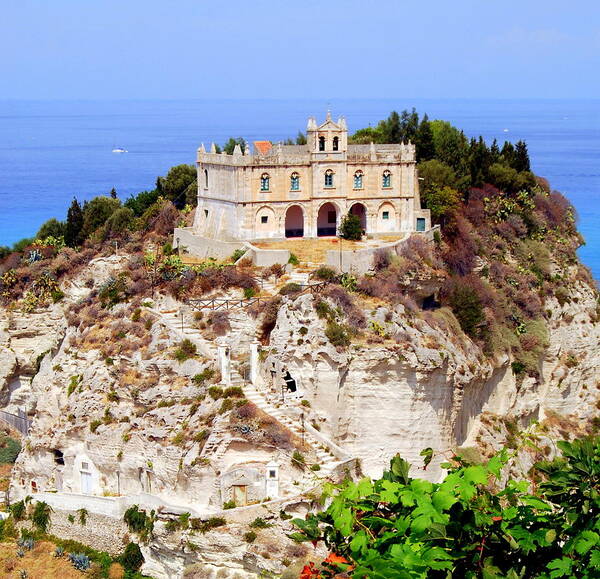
470 525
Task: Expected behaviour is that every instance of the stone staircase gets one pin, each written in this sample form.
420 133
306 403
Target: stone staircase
172 319
213 448
325 459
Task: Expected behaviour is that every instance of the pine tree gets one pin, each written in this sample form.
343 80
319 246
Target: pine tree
508 153
494 152
74 225
424 141
521 157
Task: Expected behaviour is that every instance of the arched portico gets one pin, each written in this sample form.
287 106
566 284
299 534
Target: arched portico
294 221
360 211
327 219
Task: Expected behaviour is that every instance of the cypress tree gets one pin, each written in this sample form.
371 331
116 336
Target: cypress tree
74 224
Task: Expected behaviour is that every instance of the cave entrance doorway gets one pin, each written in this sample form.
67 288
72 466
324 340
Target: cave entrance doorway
290 383
240 495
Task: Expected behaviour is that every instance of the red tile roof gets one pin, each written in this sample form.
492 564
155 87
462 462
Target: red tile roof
263 147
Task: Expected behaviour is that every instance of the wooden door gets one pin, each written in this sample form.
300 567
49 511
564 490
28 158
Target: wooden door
240 495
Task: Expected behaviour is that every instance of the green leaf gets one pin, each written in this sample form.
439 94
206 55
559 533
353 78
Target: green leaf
344 521
595 558
365 487
560 567
476 474
389 494
536 503
359 542
427 453
585 541
399 468
443 500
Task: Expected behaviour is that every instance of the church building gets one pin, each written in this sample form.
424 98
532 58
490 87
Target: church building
294 191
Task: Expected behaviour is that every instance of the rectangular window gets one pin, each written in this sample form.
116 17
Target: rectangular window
264 218
385 215
272 474
331 217
420 223
84 466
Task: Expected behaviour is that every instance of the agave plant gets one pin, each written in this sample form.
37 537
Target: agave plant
80 561
59 552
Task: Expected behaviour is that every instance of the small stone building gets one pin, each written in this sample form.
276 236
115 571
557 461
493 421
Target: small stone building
250 483
294 191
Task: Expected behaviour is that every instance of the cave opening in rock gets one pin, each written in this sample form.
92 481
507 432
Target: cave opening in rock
59 457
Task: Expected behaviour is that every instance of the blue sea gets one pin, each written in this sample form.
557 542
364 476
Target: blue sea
51 151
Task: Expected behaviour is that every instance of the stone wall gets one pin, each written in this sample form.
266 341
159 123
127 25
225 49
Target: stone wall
100 532
360 261
185 239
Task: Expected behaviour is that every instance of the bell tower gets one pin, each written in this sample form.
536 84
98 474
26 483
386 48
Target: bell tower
329 138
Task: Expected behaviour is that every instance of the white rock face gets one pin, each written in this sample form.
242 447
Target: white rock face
113 424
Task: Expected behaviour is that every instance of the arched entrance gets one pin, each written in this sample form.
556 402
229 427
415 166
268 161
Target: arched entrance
360 211
294 222
327 220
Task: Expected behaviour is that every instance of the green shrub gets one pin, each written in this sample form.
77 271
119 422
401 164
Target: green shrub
290 289
324 310
249 292
350 227
209 524
337 334
18 510
205 375
226 405
234 392
315 467
186 350
250 537
9 449
260 523
293 259
237 254
94 424
132 558
139 522
41 516
229 504
298 459
325 273
215 392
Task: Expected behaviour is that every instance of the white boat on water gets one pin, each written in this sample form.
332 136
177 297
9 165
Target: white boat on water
120 150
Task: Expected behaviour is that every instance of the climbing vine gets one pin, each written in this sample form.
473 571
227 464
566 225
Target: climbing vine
470 525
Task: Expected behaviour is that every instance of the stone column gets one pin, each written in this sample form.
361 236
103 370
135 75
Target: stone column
254 351
223 355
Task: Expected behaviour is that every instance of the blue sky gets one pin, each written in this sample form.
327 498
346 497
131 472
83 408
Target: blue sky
282 48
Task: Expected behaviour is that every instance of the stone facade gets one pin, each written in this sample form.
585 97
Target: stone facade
304 190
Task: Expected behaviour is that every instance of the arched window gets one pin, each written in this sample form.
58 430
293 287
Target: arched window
358 179
206 178
329 178
295 182
264 182
387 179
335 143
321 143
